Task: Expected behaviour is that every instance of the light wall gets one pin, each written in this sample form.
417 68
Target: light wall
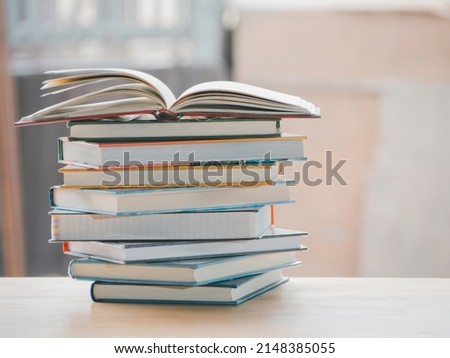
382 79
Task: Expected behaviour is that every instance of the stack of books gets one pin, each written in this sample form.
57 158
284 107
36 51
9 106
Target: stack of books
171 200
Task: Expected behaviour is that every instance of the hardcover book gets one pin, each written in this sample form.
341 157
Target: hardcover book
207 174
152 200
275 240
183 272
141 93
203 225
113 129
104 154
231 292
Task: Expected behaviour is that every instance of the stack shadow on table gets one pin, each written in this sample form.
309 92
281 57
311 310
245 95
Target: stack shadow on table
175 209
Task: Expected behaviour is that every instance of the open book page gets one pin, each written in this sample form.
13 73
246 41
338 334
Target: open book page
233 103
79 77
229 91
240 88
140 97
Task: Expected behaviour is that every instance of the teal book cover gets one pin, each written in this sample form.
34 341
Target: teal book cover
229 292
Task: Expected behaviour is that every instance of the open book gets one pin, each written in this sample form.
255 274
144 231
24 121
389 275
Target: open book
140 95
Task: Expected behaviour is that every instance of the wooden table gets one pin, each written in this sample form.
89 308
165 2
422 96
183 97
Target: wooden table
303 307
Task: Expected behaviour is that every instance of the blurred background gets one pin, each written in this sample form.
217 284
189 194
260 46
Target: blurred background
379 70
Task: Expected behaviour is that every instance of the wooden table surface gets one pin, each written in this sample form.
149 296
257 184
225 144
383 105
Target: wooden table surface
303 307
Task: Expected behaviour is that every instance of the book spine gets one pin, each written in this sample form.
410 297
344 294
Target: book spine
69 269
51 197
92 292
60 150
55 230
